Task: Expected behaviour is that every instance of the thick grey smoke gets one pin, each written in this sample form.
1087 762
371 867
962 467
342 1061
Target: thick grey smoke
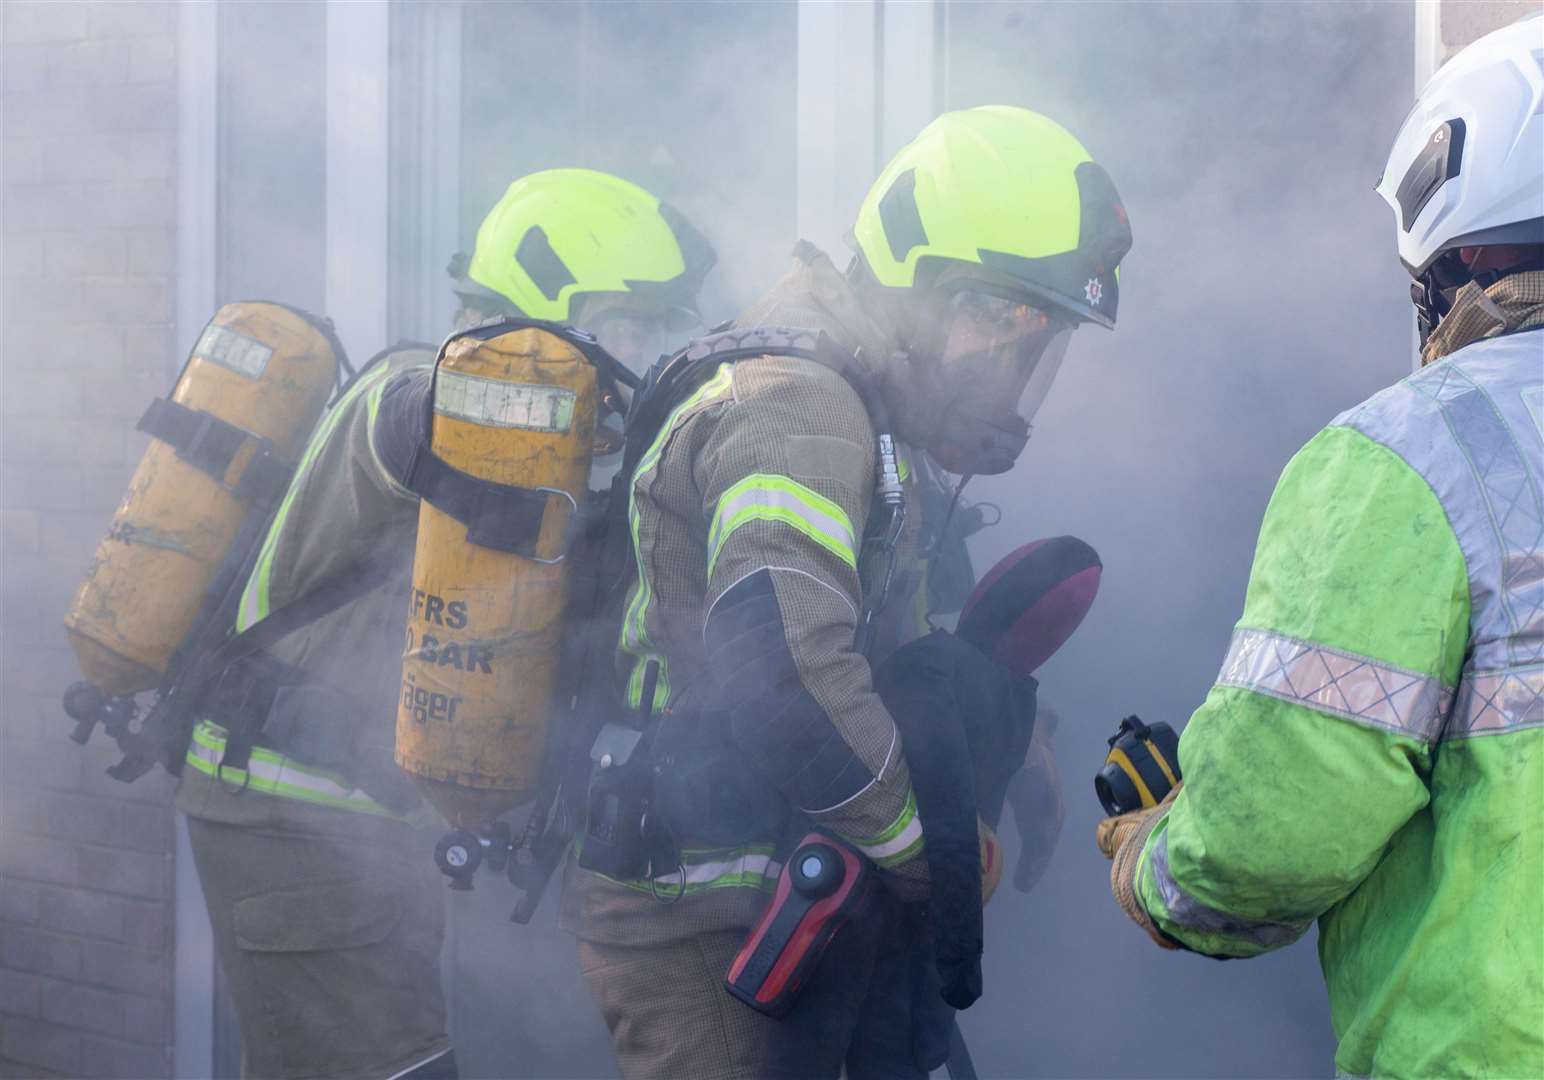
1261 298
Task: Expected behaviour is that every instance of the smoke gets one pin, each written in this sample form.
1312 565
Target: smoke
1261 298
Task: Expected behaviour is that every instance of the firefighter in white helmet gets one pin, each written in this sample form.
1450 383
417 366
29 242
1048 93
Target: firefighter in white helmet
1371 755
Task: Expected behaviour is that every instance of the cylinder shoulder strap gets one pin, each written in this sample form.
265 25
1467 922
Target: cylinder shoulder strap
210 444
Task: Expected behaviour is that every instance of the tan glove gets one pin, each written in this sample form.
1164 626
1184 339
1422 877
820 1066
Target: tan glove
1121 840
991 861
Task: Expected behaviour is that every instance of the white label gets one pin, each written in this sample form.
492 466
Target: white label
241 354
494 403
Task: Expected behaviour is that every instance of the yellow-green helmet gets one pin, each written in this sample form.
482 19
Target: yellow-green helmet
1006 189
566 233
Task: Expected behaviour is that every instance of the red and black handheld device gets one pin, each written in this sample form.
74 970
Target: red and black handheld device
823 884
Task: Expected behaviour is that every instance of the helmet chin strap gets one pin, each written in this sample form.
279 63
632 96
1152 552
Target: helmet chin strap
1433 292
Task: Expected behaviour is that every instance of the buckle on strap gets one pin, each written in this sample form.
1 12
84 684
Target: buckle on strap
502 517
210 445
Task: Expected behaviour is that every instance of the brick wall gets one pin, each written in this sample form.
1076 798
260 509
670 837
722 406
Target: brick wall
1463 21
89 204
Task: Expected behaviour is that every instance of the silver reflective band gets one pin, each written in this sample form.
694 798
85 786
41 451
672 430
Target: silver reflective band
1341 684
495 403
274 774
235 352
1191 914
1496 702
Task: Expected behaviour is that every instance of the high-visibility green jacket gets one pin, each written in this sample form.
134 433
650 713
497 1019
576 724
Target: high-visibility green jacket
1372 754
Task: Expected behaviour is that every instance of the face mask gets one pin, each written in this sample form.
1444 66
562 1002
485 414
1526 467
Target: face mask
992 369
636 339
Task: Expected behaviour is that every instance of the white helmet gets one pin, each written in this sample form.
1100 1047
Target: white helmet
1467 167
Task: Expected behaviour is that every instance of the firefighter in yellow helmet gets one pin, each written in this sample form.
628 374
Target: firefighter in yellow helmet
326 909
766 516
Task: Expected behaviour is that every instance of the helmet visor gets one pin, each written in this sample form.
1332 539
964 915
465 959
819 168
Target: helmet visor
635 338
1007 349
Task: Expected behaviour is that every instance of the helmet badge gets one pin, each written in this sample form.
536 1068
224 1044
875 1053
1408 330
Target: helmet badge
1093 292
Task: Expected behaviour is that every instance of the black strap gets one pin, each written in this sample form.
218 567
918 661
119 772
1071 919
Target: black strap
210 444
239 661
170 721
498 516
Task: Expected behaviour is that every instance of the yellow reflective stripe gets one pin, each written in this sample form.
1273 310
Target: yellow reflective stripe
274 774
765 497
254 597
751 866
634 640
900 841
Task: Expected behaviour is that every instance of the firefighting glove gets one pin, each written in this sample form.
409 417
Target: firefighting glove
1121 840
991 861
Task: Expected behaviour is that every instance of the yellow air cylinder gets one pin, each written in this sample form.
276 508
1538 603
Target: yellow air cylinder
265 369
485 626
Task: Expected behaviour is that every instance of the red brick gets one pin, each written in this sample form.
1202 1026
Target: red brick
20 530
135 19
81 911
128 300
19 899
42 20
129 872
154 787
31 346
42 299
152 251
153 59
41 394
138 205
51 65
33 1042
24 251
147 926
147 828
40 859
89 1008
41 487
34 765
146 1019
21 809
20 994
24 949
124 967
116 1058
99 253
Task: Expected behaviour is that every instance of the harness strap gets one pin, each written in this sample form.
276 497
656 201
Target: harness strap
210 445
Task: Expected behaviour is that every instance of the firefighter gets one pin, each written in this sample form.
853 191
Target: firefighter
1372 754
982 246
326 909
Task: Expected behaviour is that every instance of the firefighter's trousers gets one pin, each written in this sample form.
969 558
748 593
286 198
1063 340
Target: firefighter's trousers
329 939
671 1018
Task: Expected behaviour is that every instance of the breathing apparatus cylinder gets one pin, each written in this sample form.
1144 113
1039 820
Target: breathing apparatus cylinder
247 399
485 623
1141 768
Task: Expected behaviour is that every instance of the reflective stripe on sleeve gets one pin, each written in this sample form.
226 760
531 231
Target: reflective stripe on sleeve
1343 684
765 497
1497 702
275 774
1189 913
901 841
